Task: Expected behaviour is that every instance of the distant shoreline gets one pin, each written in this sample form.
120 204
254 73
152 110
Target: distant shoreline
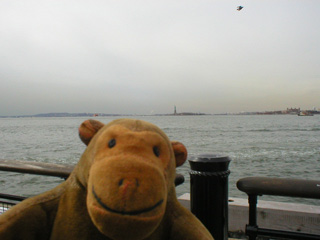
96 115
65 114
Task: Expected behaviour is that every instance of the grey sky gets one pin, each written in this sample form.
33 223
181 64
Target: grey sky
142 57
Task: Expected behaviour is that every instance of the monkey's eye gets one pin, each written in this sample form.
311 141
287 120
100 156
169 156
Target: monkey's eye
112 143
156 151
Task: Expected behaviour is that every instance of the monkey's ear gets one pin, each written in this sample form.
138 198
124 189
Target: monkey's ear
88 129
180 153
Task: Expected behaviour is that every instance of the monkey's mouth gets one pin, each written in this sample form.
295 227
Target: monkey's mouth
131 213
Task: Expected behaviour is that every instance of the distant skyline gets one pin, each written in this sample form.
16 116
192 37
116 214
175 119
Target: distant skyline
145 57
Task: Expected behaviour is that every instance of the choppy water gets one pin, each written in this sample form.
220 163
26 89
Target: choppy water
272 146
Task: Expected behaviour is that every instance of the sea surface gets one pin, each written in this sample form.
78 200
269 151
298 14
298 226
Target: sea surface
258 145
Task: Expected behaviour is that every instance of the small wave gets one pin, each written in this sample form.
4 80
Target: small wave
286 130
305 130
262 130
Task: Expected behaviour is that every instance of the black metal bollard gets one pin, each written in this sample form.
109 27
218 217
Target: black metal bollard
209 192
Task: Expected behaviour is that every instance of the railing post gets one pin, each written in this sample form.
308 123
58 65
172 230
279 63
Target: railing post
286 187
252 227
209 192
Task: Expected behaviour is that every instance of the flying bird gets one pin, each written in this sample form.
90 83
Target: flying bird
239 8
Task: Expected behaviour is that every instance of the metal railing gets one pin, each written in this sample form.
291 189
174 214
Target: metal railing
209 173
286 187
43 169
28 167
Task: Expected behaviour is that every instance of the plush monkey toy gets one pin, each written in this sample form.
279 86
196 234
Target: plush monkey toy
121 189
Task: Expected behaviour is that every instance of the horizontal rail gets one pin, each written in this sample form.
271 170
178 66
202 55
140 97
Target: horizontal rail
286 187
45 169
253 230
49 169
12 197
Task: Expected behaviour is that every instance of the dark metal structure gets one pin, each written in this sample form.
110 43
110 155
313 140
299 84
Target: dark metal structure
44 169
258 186
209 192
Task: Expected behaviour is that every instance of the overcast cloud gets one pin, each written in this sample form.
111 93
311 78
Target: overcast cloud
142 57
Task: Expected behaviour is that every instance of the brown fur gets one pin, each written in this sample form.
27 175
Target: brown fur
122 188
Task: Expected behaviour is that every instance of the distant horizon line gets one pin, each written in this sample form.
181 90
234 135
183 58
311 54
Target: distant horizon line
86 114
